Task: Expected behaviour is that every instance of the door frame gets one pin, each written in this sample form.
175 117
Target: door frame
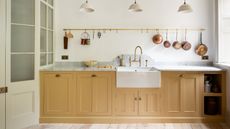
2 63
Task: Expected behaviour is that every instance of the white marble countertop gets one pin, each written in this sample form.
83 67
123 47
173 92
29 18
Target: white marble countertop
158 67
73 68
187 68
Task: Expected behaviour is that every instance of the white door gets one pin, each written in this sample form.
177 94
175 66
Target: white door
21 64
2 63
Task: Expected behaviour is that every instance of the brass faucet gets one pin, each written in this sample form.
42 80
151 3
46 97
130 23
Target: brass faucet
135 55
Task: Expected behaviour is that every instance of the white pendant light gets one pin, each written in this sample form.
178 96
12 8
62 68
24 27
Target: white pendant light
185 8
135 7
86 7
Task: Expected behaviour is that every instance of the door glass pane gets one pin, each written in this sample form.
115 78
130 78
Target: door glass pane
43 40
43 14
22 38
51 2
226 8
50 41
43 59
22 67
50 59
23 11
50 18
226 25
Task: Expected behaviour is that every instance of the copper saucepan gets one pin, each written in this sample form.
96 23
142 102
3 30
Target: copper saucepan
176 44
201 49
167 43
157 39
185 44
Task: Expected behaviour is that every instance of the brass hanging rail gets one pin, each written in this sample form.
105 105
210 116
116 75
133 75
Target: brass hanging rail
132 29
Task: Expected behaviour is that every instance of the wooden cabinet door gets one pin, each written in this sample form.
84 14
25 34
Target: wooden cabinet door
181 93
126 102
84 94
190 94
57 93
172 93
94 93
149 102
102 93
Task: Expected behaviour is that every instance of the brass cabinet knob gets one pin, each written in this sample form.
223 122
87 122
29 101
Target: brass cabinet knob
140 98
181 75
135 98
94 75
57 75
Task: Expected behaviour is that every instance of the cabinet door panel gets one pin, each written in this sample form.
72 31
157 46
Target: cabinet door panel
102 94
149 102
126 102
94 93
57 89
181 94
84 94
172 93
190 86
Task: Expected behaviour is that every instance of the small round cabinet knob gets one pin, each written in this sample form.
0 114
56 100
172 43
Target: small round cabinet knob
181 75
57 75
94 75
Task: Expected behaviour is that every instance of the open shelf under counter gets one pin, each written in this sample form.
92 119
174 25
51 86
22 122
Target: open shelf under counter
213 94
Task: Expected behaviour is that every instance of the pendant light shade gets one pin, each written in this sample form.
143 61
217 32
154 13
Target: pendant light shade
135 7
86 7
185 8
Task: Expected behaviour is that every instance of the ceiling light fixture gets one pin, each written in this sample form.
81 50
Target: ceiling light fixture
135 7
185 8
86 7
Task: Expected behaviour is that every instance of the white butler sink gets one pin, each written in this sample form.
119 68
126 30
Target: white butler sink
138 77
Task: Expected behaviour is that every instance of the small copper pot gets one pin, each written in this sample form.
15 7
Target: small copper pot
157 39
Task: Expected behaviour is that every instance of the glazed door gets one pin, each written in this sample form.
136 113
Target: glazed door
22 62
2 64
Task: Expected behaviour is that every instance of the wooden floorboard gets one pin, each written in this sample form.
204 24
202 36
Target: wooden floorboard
133 126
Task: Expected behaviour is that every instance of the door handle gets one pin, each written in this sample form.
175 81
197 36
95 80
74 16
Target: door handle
94 75
57 75
3 90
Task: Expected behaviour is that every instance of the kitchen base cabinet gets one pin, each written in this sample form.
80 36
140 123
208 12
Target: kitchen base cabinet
94 92
92 97
57 94
182 94
137 102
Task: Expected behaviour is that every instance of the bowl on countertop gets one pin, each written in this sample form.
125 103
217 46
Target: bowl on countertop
90 63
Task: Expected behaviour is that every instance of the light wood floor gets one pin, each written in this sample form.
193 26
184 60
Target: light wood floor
133 126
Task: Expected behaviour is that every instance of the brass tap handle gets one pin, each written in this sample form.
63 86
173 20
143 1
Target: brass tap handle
140 61
130 61
146 63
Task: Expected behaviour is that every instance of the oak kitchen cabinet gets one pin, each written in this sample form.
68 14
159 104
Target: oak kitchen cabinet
57 93
133 102
91 96
94 93
76 93
181 93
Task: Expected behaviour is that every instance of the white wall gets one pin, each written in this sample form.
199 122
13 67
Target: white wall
114 13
